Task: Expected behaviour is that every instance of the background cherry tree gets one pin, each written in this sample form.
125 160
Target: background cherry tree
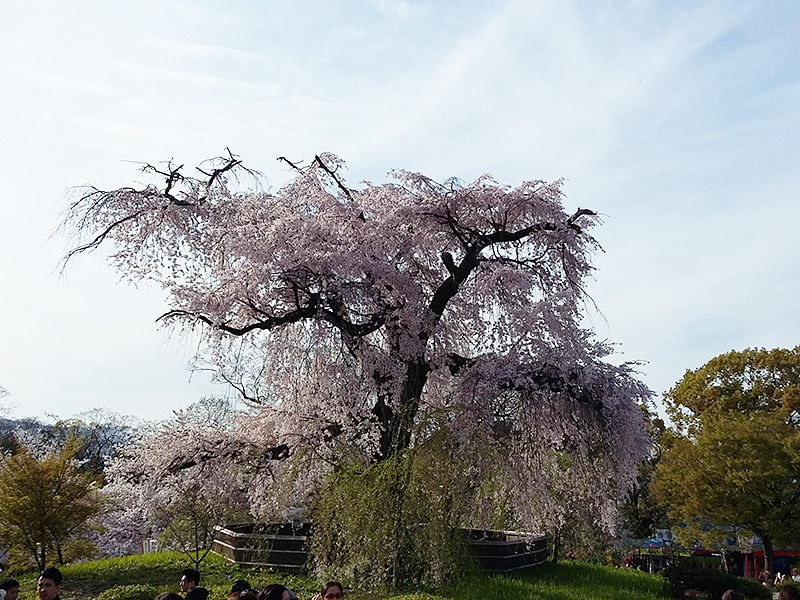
360 321
179 506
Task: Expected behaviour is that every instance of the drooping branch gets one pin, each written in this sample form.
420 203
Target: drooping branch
224 450
353 329
332 173
98 239
293 165
83 213
266 322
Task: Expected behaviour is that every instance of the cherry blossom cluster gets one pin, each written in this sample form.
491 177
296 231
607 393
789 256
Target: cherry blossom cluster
346 317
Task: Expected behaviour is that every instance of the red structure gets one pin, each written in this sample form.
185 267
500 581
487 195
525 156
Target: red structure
784 560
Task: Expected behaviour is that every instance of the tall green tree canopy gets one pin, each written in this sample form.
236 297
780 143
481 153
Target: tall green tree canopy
46 502
733 455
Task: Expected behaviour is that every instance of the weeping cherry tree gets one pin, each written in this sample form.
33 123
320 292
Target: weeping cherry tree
362 322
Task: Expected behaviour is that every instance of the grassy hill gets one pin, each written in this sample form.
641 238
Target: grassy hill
141 577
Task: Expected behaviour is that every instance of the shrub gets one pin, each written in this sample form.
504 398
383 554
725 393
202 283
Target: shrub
77 550
685 575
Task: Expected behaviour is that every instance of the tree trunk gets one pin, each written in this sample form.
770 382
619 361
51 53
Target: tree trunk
769 553
555 542
398 425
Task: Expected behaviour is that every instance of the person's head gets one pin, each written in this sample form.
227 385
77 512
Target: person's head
795 571
10 587
789 592
197 593
732 595
49 583
168 596
189 579
274 591
248 595
239 585
332 590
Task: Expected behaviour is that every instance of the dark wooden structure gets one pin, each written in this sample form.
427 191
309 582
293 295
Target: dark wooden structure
284 547
507 551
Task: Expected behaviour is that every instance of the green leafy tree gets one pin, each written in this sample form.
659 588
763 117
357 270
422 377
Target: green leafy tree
46 503
733 455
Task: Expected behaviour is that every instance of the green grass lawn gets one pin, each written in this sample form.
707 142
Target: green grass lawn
142 577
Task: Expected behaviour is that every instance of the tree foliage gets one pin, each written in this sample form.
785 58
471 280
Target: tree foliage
100 433
47 502
182 507
398 521
98 436
358 322
733 457
641 512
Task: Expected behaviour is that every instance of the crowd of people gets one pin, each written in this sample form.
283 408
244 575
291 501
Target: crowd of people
788 592
242 590
48 587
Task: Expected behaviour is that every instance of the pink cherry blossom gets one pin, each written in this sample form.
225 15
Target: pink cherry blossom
347 316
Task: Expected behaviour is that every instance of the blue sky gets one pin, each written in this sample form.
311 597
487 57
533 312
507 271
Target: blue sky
678 121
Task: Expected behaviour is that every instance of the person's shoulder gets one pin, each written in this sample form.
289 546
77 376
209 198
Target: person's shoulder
197 593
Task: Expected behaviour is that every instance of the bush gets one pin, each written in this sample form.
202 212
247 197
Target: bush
78 550
130 592
685 575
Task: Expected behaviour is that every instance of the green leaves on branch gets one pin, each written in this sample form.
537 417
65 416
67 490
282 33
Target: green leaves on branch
747 382
47 502
733 458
